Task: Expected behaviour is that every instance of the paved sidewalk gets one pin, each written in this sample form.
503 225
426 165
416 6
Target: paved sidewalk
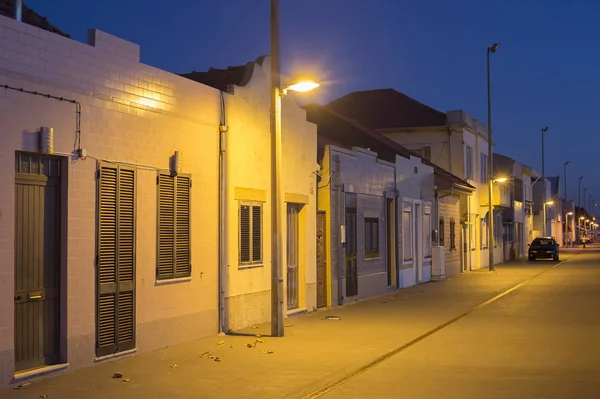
314 351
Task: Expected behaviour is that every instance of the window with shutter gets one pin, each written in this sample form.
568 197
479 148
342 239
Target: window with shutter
115 294
371 238
173 230
250 234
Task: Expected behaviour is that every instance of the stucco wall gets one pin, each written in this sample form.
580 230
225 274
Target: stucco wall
368 178
248 176
131 112
450 211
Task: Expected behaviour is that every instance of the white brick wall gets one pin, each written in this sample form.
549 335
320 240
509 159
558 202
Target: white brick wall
131 112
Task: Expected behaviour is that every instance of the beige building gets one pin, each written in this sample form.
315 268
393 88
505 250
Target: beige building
245 266
110 213
453 141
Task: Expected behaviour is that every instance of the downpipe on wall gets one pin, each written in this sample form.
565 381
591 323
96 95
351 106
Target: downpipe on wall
223 128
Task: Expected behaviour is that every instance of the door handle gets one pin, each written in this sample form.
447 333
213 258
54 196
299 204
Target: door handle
17 298
35 295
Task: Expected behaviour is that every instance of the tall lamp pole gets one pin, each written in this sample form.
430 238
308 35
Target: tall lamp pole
544 130
276 266
579 206
490 50
565 208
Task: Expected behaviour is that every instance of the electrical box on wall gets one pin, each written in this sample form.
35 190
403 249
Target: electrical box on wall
343 234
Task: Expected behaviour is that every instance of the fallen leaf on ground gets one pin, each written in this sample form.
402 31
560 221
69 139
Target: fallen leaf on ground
173 366
258 335
43 396
22 386
221 343
251 345
205 354
117 375
212 357
289 325
231 346
259 340
255 327
332 318
126 379
221 334
218 359
265 352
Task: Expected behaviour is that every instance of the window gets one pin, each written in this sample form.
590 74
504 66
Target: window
484 168
250 234
425 152
441 235
469 163
173 230
484 233
371 237
407 231
452 234
427 230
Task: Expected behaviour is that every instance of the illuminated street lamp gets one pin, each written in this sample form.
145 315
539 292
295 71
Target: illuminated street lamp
277 92
544 211
490 164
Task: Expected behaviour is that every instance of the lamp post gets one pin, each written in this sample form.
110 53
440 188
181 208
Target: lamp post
565 202
584 194
544 130
545 205
579 206
490 173
277 92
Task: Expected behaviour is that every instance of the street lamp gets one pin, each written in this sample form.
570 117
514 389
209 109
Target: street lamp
490 50
564 237
544 130
277 92
545 205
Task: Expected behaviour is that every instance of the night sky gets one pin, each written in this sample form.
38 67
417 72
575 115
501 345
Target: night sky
546 72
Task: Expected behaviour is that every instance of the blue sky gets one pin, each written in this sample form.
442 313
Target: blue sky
547 71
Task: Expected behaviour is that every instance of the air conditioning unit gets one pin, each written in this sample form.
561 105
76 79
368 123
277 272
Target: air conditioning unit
438 264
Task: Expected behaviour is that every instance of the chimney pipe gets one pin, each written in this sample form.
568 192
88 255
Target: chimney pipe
18 8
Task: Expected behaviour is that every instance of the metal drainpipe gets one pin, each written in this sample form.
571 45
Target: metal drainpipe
341 204
223 128
18 10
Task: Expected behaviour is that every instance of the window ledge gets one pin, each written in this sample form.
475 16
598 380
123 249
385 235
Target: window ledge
372 258
115 355
407 261
173 281
243 267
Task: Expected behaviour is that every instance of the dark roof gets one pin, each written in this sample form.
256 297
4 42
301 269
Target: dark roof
30 17
386 109
223 79
336 128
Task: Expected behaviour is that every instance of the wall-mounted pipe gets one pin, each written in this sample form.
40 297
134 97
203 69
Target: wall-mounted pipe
47 140
18 10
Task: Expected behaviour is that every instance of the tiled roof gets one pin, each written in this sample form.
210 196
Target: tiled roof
386 109
29 17
336 128
222 79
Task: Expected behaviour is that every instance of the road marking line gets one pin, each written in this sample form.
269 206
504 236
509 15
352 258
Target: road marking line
340 381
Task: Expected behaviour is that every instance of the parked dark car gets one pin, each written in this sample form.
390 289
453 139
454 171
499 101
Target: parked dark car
544 247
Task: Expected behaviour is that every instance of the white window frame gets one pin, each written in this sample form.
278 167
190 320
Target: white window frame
427 244
469 162
407 207
251 262
484 168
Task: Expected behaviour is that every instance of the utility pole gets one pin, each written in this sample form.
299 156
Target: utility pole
565 210
490 164
276 264
544 130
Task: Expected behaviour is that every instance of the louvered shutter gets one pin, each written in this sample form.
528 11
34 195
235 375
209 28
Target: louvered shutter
182 228
245 234
166 227
256 234
173 238
115 326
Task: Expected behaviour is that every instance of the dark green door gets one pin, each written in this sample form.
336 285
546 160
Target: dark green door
351 253
37 261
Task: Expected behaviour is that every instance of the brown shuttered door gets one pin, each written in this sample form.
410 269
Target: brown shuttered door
174 255
115 260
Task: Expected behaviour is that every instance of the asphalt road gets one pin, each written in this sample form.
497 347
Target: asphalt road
540 341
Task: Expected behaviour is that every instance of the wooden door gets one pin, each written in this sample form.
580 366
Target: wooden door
37 261
321 261
351 253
